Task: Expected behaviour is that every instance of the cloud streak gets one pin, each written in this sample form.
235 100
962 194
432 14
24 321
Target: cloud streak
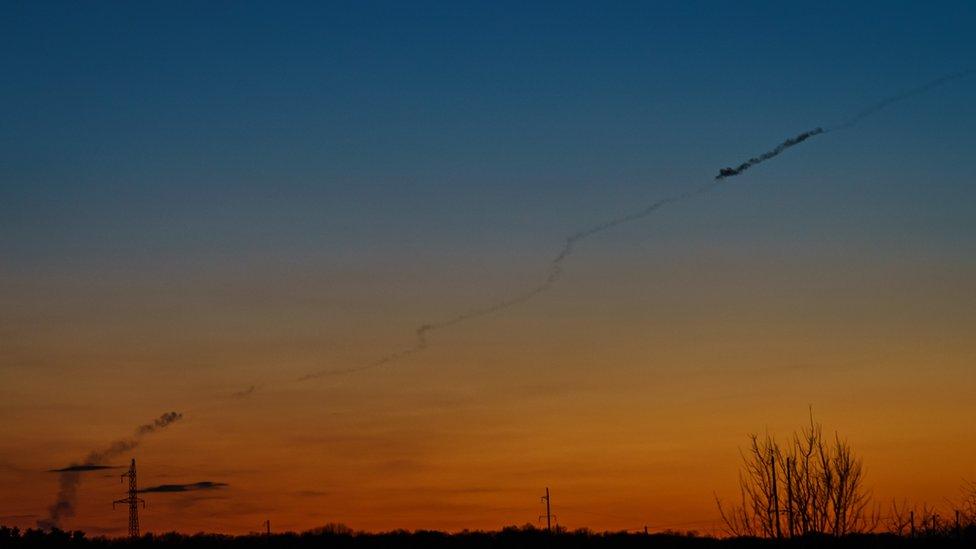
83 468
196 486
70 477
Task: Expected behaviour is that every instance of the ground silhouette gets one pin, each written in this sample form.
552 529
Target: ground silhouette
507 537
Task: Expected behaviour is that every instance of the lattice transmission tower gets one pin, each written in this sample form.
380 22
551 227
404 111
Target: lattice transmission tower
549 516
133 500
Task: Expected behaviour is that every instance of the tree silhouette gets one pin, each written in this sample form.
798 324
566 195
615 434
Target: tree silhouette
811 485
968 507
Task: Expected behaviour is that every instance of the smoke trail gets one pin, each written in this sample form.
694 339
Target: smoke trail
553 274
849 123
793 141
158 423
864 113
555 265
70 477
245 392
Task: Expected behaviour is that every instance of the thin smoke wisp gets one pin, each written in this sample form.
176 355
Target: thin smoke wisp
872 109
553 274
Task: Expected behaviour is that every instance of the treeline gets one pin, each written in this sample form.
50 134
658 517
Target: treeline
812 484
808 491
511 537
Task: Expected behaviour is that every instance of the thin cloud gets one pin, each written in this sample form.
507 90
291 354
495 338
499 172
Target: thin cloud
17 517
205 485
83 468
311 493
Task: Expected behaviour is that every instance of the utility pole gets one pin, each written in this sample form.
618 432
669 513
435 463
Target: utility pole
133 501
911 519
545 498
267 526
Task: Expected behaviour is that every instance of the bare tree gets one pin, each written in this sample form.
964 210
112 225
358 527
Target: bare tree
754 515
812 485
968 507
900 519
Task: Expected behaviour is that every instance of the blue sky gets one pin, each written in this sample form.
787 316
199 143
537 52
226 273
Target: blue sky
393 150
124 118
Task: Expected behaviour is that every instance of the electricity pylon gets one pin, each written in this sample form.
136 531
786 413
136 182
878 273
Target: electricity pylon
133 500
548 515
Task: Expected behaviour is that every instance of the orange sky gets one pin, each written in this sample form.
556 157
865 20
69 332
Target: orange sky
628 391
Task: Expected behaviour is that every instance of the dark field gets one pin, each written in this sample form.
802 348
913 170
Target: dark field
508 537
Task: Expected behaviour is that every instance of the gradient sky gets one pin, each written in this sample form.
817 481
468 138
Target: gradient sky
198 199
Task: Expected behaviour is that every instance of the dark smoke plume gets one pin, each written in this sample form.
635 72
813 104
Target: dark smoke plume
554 270
791 142
205 485
158 423
70 477
83 468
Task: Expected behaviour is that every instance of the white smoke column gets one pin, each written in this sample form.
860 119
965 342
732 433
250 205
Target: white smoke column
69 481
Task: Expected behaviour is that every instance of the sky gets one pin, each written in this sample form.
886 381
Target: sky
200 199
